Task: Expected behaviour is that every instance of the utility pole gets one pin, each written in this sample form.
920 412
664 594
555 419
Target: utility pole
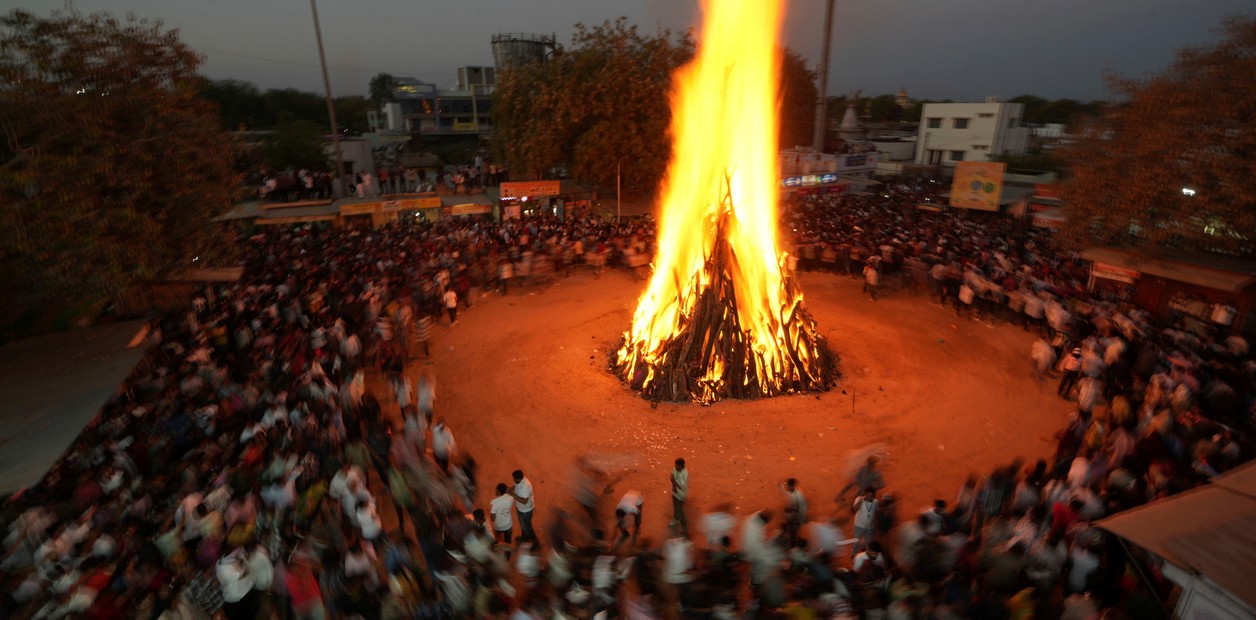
339 179
822 103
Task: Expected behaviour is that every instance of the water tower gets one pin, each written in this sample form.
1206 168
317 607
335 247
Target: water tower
511 49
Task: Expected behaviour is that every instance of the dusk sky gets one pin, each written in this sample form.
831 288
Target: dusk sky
937 49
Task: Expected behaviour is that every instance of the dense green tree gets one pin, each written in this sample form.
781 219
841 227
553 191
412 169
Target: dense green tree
602 101
111 166
240 104
350 114
798 101
279 104
1039 111
884 108
295 144
1192 126
381 88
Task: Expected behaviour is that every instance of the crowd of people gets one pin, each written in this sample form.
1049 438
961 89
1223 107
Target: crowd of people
271 456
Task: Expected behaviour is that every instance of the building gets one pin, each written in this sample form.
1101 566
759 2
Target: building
954 132
423 108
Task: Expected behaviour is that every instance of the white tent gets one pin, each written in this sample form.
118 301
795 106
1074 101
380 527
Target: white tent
1207 538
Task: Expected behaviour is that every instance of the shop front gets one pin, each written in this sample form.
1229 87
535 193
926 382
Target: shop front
1218 292
559 199
378 213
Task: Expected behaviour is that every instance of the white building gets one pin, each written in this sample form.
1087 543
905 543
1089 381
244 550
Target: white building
954 132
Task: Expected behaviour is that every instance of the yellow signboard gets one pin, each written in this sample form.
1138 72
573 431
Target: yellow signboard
411 204
468 209
362 208
530 189
391 206
978 185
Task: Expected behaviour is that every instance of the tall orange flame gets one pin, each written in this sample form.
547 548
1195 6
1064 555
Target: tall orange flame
718 224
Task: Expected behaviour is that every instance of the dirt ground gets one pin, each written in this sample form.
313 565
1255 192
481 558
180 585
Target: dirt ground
522 382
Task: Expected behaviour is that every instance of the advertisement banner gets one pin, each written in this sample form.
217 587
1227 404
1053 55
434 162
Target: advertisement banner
531 189
411 204
467 209
363 208
1113 272
978 185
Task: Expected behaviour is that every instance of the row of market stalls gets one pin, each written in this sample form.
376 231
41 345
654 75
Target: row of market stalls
1206 290
364 212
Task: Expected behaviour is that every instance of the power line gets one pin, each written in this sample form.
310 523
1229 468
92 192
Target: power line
298 64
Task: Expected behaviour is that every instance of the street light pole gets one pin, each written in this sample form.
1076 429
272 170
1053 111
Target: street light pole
339 179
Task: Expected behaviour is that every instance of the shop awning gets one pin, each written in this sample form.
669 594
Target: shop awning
1209 531
1231 276
53 386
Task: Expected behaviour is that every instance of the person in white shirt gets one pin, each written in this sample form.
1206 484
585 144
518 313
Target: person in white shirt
443 444
865 510
257 560
237 586
628 516
340 483
680 493
367 520
499 508
524 505
677 554
451 305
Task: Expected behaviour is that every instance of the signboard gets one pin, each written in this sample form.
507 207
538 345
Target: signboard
466 209
978 185
297 219
531 189
809 180
364 208
390 206
511 212
1113 272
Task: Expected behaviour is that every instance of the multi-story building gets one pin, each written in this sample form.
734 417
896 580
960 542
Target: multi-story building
955 132
424 108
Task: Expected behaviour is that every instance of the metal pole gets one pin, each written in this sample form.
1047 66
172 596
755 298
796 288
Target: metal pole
619 201
822 104
339 179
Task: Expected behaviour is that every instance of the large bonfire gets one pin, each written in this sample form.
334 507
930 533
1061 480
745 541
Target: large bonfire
722 317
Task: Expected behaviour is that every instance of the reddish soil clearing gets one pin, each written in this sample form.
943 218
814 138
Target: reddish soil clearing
522 381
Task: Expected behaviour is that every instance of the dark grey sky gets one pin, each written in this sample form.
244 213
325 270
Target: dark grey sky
938 49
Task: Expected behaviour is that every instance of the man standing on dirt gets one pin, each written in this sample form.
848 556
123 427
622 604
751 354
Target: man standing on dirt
451 305
524 505
680 493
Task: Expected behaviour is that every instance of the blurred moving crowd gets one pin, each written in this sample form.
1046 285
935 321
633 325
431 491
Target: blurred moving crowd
276 455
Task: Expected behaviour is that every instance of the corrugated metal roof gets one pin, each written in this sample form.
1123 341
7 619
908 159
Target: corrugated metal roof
1210 531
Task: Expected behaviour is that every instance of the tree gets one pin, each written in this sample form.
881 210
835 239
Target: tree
885 108
602 102
111 166
1192 127
295 144
798 101
240 103
381 88
351 114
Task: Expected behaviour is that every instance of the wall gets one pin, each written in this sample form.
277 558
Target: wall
1000 133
